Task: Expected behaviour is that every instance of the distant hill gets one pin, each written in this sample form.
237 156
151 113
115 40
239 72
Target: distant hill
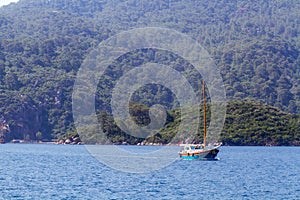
43 43
249 123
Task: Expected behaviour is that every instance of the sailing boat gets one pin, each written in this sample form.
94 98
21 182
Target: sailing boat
200 151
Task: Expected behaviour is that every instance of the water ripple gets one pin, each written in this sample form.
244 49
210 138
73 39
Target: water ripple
69 172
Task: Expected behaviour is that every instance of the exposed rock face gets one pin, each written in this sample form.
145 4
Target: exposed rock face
71 140
24 120
27 122
4 130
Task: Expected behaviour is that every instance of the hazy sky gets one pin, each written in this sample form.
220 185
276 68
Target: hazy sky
5 2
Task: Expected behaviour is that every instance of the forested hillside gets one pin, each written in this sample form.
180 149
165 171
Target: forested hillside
247 123
255 44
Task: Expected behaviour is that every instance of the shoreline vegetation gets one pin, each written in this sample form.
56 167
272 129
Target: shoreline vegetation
246 124
146 144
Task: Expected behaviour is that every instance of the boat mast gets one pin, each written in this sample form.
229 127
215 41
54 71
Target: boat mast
204 114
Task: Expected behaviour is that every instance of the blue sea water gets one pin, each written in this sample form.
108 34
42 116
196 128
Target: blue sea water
29 171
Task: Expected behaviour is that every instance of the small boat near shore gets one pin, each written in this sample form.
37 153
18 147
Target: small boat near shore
200 151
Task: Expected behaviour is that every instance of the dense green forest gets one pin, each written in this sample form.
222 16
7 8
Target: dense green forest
255 44
247 123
